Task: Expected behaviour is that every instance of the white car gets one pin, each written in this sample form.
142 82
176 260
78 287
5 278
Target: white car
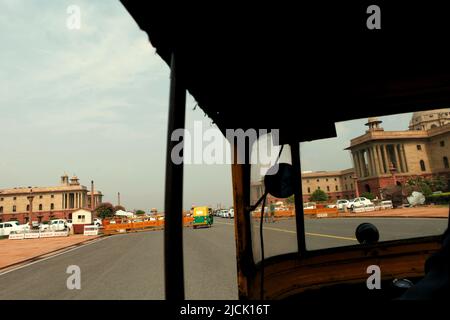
309 205
55 225
342 204
231 213
358 203
11 226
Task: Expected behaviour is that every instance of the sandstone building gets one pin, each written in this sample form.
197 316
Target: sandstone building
47 202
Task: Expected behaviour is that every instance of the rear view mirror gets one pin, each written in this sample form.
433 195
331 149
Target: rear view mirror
280 180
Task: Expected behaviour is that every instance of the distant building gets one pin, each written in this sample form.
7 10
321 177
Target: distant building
336 184
382 158
48 202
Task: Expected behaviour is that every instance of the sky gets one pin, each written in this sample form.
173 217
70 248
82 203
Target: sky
93 102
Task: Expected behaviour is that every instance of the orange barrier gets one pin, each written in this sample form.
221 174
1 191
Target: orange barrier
321 210
278 214
133 225
141 225
329 212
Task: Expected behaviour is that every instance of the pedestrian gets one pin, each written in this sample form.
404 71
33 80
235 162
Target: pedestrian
266 214
272 211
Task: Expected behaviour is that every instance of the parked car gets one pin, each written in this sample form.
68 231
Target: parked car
6 228
309 205
231 213
55 225
341 204
358 203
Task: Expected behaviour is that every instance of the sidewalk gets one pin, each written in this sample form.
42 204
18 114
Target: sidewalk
422 212
17 251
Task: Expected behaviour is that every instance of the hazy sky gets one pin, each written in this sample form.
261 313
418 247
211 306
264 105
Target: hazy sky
93 102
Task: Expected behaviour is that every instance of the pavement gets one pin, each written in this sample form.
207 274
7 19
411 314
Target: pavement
131 266
419 212
13 252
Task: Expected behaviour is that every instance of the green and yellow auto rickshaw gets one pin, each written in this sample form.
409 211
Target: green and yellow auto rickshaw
202 217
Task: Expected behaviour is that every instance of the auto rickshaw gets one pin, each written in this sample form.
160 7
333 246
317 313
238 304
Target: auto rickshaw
300 77
202 217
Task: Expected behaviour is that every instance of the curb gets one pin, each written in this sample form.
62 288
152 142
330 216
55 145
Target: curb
48 254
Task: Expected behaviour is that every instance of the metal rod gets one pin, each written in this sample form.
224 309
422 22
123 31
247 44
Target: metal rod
173 197
299 216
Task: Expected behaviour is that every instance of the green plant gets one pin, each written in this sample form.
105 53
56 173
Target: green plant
318 195
290 200
104 210
368 195
140 212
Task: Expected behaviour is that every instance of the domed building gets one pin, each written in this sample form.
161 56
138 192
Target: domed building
383 158
426 120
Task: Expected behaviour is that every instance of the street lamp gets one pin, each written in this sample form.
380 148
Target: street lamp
30 212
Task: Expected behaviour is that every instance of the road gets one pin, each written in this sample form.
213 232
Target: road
130 266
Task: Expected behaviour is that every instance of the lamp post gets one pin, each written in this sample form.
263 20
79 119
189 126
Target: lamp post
30 212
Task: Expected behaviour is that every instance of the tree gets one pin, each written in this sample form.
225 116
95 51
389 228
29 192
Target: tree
420 184
290 200
140 212
319 195
117 208
368 195
104 210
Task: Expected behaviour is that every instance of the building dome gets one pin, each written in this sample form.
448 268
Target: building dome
426 120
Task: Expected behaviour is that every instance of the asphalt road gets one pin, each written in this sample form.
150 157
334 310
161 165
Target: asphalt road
130 266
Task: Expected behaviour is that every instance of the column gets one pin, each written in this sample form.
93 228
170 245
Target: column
369 161
363 163
358 161
374 160
403 154
379 159
397 159
383 158
355 163
386 154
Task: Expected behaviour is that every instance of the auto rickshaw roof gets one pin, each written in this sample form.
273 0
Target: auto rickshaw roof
301 68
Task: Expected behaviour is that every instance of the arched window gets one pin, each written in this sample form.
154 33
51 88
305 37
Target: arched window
40 207
1 209
445 159
52 206
28 207
14 208
422 165
309 190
